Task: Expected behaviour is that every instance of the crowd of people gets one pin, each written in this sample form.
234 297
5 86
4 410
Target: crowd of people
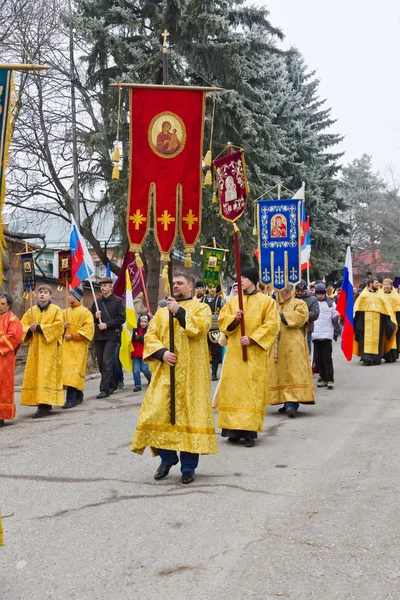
268 351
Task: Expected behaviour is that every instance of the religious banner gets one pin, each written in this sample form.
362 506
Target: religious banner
279 242
213 259
232 186
6 76
64 269
129 265
166 132
28 273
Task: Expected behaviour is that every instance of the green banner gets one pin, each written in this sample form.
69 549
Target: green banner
213 259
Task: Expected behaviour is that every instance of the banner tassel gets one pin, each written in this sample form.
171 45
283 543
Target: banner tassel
208 159
188 261
208 178
115 172
214 198
139 262
164 277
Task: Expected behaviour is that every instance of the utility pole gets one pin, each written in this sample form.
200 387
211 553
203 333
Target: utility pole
73 119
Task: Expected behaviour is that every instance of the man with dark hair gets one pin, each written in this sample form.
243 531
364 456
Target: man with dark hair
109 320
375 325
243 386
43 328
313 309
10 339
193 432
198 291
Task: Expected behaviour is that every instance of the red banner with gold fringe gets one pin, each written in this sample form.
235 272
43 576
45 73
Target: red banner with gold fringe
166 131
232 185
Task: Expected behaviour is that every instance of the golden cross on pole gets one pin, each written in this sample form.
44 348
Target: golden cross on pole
165 35
166 219
138 219
190 219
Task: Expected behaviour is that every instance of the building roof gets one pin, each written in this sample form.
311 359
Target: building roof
364 261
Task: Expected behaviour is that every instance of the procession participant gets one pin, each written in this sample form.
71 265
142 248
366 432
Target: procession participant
108 323
375 325
313 308
194 431
330 290
323 334
215 302
243 385
391 294
198 291
43 328
137 354
233 291
10 339
291 381
79 332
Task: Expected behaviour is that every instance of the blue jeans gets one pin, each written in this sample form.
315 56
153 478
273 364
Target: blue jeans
117 367
189 460
140 366
293 405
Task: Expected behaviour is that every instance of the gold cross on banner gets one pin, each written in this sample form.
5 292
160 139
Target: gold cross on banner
190 219
138 219
166 219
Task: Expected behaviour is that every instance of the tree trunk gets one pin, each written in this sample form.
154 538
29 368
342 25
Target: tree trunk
152 259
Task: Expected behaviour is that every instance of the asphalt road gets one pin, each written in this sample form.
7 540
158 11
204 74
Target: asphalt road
311 512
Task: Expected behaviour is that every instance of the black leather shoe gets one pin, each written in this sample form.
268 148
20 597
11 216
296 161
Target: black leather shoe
187 477
282 409
121 384
249 442
163 470
214 378
2 423
137 389
103 395
70 404
42 411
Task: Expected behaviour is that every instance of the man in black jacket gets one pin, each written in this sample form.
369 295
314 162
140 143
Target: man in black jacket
108 323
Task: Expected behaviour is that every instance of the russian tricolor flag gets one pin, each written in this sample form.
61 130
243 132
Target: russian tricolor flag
345 307
305 238
81 261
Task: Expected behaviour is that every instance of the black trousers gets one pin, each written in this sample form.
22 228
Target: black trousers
323 358
105 351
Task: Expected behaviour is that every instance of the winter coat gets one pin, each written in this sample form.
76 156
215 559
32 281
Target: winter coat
324 326
113 314
313 309
138 342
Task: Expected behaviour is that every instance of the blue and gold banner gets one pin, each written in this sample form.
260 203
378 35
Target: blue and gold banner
5 135
279 242
28 273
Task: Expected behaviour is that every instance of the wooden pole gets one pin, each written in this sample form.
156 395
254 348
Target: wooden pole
66 304
238 275
145 291
172 416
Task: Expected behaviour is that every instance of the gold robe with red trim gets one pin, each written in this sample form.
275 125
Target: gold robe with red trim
194 430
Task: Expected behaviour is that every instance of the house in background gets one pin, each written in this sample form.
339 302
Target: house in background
368 260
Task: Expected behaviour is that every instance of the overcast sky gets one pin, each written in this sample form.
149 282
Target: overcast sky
355 47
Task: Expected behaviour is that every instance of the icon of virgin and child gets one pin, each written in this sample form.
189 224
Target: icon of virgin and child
167 140
278 226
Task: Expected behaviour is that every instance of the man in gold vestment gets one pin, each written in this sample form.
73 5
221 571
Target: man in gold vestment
194 431
375 325
10 339
43 328
243 385
392 296
79 332
291 381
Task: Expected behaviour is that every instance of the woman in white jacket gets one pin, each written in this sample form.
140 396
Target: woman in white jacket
323 335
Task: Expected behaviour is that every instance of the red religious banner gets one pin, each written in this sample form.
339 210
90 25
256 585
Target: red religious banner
166 131
232 185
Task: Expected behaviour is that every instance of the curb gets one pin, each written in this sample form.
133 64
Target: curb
18 388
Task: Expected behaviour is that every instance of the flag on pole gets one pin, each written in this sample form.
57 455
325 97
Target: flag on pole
129 325
82 263
345 307
305 239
